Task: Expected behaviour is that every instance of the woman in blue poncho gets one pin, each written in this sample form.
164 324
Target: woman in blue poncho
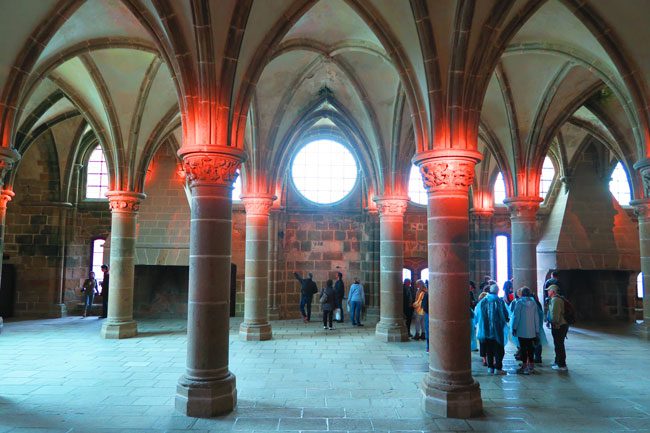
491 321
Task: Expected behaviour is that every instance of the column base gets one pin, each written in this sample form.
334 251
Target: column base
58 311
453 402
250 332
205 399
116 331
643 330
391 332
274 313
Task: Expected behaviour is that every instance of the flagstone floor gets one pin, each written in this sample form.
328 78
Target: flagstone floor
59 376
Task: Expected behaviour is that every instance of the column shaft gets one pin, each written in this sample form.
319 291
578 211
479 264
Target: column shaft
642 209
5 197
391 326
256 318
480 243
208 388
124 212
448 388
523 220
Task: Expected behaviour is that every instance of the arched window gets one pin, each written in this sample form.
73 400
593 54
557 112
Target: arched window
406 273
236 190
499 189
639 285
417 193
324 171
546 179
424 274
97 257
97 175
502 260
619 186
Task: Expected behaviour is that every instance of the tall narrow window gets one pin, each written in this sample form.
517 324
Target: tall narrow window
97 175
97 258
502 253
499 189
546 179
417 193
639 285
424 275
236 191
406 273
619 186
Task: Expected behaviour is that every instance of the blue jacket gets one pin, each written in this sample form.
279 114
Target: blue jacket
491 319
525 318
356 293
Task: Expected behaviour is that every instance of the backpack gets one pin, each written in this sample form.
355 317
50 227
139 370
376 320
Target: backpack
323 298
569 312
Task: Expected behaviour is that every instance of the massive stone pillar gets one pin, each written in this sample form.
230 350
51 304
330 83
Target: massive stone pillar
448 388
124 214
523 220
481 243
256 324
642 209
391 326
208 388
7 159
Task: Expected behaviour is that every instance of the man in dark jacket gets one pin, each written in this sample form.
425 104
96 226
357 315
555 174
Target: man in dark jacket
339 289
307 290
408 294
104 285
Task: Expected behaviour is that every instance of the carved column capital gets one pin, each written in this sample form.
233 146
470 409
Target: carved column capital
211 165
5 197
8 157
124 201
391 205
641 208
259 204
449 170
523 207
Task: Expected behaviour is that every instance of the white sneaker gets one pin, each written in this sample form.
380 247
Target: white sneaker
324 327
558 368
331 328
490 370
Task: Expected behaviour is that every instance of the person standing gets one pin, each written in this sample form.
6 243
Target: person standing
356 300
492 319
104 293
425 309
307 290
408 296
89 289
559 327
525 327
418 310
339 289
328 303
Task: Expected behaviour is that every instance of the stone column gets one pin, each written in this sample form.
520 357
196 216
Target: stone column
448 388
480 243
642 209
523 240
391 326
124 214
208 388
8 157
256 326
274 244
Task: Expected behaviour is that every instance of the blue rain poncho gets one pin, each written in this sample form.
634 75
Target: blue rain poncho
491 319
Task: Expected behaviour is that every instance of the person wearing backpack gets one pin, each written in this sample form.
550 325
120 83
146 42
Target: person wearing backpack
559 327
328 303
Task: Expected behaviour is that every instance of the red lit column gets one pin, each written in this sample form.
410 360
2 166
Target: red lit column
448 388
7 159
480 243
208 388
523 222
391 326
256 326
124 213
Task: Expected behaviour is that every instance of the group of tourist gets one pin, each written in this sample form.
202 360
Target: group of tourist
331 299
518 316
90 289
416 309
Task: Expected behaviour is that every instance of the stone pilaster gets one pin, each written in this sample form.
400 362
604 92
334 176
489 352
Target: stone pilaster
256 326
8 157
480 242
124 207
448 388
523 220
208 388
642 209
391 325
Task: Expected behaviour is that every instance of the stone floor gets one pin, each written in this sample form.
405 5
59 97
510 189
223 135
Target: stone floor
60 376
